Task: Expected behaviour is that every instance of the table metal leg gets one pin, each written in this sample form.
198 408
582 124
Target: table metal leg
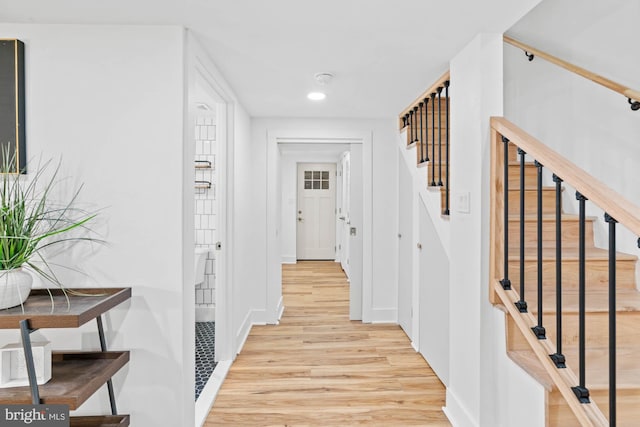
103 346
25 331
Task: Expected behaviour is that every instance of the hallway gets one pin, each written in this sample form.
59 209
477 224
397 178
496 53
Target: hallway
318 368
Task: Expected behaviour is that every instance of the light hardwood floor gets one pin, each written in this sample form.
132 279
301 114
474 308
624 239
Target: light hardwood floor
318 368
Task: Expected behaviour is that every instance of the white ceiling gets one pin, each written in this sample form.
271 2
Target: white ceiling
383 53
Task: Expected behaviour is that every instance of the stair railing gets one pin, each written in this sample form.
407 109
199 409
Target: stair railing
633 96
422 131
504 135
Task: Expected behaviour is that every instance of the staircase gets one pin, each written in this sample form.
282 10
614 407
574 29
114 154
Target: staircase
532 353
426 123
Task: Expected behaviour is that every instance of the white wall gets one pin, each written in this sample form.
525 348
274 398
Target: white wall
481 376
110 101
589 124
382 300
249 270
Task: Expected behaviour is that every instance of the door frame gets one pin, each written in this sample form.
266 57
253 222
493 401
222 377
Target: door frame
360 290
200 70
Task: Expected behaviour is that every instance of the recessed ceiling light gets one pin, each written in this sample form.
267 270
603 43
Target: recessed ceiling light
316 96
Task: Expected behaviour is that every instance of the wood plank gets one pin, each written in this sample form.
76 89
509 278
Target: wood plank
100 421
49 308
318 368
75 376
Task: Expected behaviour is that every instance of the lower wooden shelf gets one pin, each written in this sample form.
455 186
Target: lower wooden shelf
100 421
75 376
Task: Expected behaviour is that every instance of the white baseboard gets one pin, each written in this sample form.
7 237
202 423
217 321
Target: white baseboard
456 412
205 314
384 315
243 332
208 395
289 259
280 309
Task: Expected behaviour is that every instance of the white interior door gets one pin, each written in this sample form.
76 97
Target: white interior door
405 248
344 213
316 211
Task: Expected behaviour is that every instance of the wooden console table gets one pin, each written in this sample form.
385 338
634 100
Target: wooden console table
75 375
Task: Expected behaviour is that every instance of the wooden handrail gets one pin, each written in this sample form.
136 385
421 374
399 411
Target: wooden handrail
625 212
610 84
425 94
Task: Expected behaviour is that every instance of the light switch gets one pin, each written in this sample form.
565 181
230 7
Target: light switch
462 203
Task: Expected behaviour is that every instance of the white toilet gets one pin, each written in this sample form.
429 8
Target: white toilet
200 264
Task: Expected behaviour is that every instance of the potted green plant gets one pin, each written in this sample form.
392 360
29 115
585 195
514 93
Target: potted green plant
32 221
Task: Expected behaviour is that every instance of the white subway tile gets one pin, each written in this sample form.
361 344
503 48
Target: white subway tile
208 299
199 296
208 269
207 206
200 120
208 121
211 133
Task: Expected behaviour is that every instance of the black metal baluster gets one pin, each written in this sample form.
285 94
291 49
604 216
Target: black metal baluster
446 189
404 121
415 111
539 330
433 139
421 135
103 346
558 358
522 303
581 391
505 282
612 319
439 136
426 130
410 127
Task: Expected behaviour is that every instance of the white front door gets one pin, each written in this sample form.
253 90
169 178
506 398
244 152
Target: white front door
316 216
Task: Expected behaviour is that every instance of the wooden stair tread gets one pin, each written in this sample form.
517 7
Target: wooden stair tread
627 363
528 361
530 216
568 254
526 164
530 187
429 163
596 301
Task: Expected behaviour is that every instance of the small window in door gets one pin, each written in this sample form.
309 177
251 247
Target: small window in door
316 180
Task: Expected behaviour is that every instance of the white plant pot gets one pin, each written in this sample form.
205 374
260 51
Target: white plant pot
15 286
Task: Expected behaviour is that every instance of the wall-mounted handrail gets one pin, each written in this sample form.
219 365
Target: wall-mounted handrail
633 96
615 204
425 94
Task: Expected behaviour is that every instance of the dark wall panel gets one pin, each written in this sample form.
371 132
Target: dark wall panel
12 106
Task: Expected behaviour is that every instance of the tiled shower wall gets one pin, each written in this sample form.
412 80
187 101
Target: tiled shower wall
205 212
